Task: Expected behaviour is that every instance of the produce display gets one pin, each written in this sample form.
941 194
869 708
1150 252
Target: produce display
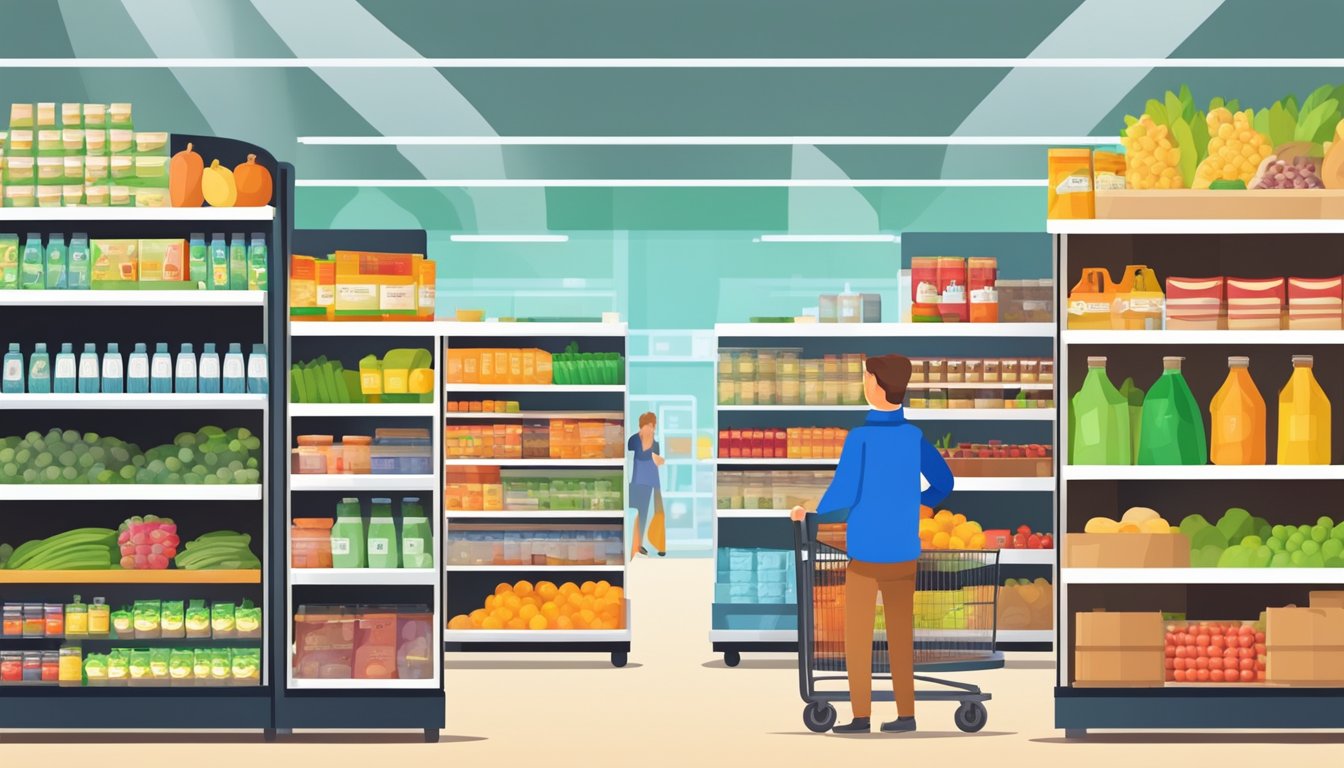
1135 520
401 376
340 642
540 439
211 456
996 459
147 543
142 374
535 366
946 530
491 489
363 286
1022 538
592 605
1216 652
389 451
789 443
218 550
755 576
535 545
82 549
1239 540
1025 604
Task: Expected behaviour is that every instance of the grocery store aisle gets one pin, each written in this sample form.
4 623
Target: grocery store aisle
675 704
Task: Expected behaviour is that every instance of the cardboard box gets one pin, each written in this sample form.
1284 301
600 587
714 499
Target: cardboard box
1305 646
1316 303
1126 550
1001 467
1194 303
1326 598
1119 650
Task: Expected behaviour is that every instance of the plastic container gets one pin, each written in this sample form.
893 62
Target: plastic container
310 542
11 667
348 537
1304 417
1172 427
54 617
70 666
13 375
13 620
1099 429
207 371
65 375
99 618
34 620
234 378
89 370
137 371
161 370
113 373
184 373
382 537
1237 414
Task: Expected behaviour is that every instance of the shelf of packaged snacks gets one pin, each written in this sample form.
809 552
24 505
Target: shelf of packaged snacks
535 514
524 567
539 463
146 402
125 492
355 328
427 577
529 330
537 636
88 213
1194 226
370 483
1205 472
304 684
370 410
884 330
537 415
1202 575
58 298
1027 556
576 388
118 576
1185 338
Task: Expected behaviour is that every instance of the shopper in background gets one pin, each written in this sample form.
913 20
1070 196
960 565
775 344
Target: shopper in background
645 488
876 491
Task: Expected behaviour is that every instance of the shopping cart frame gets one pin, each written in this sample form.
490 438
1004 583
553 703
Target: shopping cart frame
819 713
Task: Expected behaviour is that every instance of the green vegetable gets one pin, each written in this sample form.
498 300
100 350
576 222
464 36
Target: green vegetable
1236 524
1227 184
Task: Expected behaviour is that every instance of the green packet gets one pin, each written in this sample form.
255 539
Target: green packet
247 666
181 667
118 667
138 664
173 621
95 669
247 620
221 666
9 261
148 619
197 620
200 665
160 660
223 621
123 624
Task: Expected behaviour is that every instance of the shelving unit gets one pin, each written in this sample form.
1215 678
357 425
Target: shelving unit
361 703
771 528
1218 247
468 585
34 511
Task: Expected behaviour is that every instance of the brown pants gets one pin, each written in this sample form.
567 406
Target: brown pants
897 583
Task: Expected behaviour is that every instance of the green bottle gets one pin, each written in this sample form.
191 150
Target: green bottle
384 551
1134 396
256 263
1099 420
237 262
198 261
33 266
1172 430
347 536
219 262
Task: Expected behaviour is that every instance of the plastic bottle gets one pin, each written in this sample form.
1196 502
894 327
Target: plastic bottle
1173 426
55 262
77 267
219 262
849 306
198 260
185 370
137 371
1099 420
234 379
383 549
32 267
39 371
207 371
88 370
1237 416
256 370
13 378
113 372
347 536
1304 417
417 538
237 262
161 370
256 262
66 373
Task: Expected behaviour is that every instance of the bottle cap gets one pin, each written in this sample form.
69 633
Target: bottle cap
40 347
112 346
236 236
350 500
162 346
259 237
1302 361
66 349
80 236
209 347
217 236
197 235
89 346
1096 362
186 346
139 347
13 346
1239 362
410 500
1172 363
235 349
258 349
382 501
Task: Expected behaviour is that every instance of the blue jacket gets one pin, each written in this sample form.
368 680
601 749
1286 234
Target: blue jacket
876 489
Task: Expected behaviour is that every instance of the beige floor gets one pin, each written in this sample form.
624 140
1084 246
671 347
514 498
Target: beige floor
675 704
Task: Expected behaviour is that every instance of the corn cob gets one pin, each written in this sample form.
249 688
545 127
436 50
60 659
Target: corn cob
1235 149
1152 159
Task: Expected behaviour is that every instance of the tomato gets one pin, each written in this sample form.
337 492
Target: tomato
1201 663
1020 541
1034 541
1215 675
1047 542
1202 639
1230 653
1171 664
1259 637
1201 675
1259 665
1246 665
1025 530
1170 651
1260 648
1179 675
1218 642
1260 676
1180 651
1245 654
1247 676
1245 641
1202 651
1179 663
1248 630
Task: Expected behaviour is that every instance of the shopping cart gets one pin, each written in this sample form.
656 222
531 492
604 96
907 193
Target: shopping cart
955 597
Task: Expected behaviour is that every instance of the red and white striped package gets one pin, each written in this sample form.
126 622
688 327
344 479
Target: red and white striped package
1316 303
1194 303
1255 305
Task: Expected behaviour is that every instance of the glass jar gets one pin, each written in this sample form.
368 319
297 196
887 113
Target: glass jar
51 667
955 372
13 620
34 620
727 389
937 398
1046 372
1008 372
960 399
919 371
53 615
1028 371
974 371
991 372
32 667
766 372
989 398
936 371
11 667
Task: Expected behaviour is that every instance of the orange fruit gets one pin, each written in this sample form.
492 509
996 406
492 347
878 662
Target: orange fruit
491 622
503 615
588 587
547 591
941 540
564 623
616 593
522 588
459 622
528 612
568 587
943 517
958 519
503 588
532 600
512 602
490 603
550 610
477 617
925 513
587 616
516 623
538 622
576 600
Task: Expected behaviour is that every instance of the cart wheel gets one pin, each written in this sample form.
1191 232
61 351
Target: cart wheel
732 658
431 735
619 658
819 716
971 716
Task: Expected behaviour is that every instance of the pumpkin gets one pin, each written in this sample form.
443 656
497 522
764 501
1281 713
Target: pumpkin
218 186
184 179
253 182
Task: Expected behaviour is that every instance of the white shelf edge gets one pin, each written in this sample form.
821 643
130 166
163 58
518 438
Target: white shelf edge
566 388
753 635
364 576
525 568
777 462
1029 386
539 415
363 409
1025 636
752 514
318 328
502 636
301 684
539 514
884 330
1186 338
58 298
497 329
1026 557
424 483
131 492
575 463
90 213
1208 472
148 402
1194 226
1202 575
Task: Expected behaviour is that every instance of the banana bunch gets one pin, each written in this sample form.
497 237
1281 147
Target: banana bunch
83 549
226 550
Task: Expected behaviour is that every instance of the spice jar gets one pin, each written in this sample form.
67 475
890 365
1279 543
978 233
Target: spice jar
1046 372
32 667
34 620
1027 371
13 620
51 667
991 372
955 372
937 398
919 371
936 371
961 399
989 398
974 371
54 618
11 667
70 666
1008 372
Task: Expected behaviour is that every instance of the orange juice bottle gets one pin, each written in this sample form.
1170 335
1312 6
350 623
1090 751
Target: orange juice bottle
1238 416
1304 417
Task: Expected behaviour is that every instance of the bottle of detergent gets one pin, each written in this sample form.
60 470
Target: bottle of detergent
161 370
256 370
137 371
207 370
234 379
1237 416
39 371
13 377
185 370
77 266
1172 430
56 263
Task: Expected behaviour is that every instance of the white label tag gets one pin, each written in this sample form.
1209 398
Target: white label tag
340 546
413 547
377 546
1072 184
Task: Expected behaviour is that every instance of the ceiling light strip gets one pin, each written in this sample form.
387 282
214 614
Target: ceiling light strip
830 238
712 141
667 63
768 183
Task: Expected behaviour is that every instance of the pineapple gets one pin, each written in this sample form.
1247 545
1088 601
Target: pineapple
1235 149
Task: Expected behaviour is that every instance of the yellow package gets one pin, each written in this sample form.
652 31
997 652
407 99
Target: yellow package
1090 301
485 365
1070 195
356 289
425 274
529 366
471 367
371 375
116 264
326 287
398 290
302 283
501 367
543 374
455 366
516 367
421 381
1139 303
1108 170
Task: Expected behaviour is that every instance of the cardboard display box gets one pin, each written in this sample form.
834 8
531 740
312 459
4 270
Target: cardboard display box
1326 598
1119 650
1043 467
1126 550
1305 646
1220 204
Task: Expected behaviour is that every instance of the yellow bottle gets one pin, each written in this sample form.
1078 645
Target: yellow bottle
1304 417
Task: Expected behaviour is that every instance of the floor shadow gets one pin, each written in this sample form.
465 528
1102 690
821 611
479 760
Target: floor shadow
189 737
754 664
876 734
537 664
1029 664
1217 737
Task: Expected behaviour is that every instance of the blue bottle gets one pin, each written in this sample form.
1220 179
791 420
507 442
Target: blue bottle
161 370
235 373
207 371
39 371
113 372
56 263
137 371
185 371
256 370
13 377
88 370
66 372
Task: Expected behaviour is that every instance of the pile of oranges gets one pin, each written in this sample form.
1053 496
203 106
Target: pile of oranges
592 605
945 530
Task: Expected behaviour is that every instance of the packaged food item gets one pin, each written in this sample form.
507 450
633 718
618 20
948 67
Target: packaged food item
121 143
20 170
196 621
34 620
148 619
13 620
181 668
417 539
246 666
95 145
1070 193
1255 304
49 196
51 668
1304 417
1089 305
173 622
1108 170
119 116
138 665
161 261
382 539
116 264
160 661
221 666
123 624
53 615
1099 431
97 195
72 115
247 620
953 306
323 642
20 196
375 645
1316 303
21 116
49 144
982 281
99 616
1138 304
1172 427
151 144
222 621
11 667
200 666
45 115
95 669
926 292
310 542
50 170
1194 303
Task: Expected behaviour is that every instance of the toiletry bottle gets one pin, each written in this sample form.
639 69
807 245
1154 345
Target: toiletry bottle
219 262
256 262
88 370
234 380
39 371
198 260
161 370
55 262
33 268
256 370
113 372
186 370
208 370
13 378
77 263
66 372
137 371
237 262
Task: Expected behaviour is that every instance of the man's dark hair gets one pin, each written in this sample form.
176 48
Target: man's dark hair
893 375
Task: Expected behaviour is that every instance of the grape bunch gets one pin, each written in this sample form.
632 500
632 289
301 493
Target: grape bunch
1277 173
211 456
